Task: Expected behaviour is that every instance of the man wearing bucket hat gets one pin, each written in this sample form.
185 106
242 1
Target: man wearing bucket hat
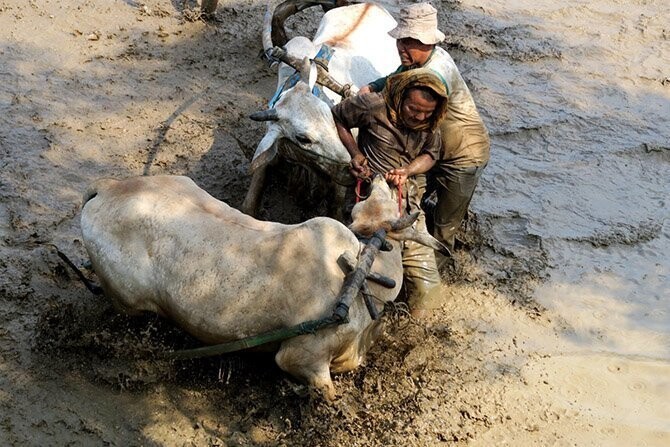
465 140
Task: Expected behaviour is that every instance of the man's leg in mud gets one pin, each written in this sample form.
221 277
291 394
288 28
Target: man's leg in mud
422 280
454 192
429 200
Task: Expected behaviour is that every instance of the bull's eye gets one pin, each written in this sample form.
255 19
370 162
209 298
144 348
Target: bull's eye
303 139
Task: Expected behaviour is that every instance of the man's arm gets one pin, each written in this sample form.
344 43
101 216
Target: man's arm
374 86
420 165
348 114
359 163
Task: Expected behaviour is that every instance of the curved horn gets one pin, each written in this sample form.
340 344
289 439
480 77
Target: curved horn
267 29
429 241
274 38
265 115
275 24
423 238
403 222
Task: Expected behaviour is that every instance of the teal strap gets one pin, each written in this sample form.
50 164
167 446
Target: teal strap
325 53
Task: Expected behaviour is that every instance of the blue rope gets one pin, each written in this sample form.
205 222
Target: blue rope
325 53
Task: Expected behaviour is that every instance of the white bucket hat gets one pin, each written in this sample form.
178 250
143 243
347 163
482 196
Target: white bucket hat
418 21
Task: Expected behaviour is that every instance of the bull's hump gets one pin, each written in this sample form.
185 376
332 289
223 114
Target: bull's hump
349 20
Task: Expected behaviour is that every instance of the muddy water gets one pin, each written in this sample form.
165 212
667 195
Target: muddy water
580 119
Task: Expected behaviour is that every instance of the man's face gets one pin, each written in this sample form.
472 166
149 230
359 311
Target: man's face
413 52
416 109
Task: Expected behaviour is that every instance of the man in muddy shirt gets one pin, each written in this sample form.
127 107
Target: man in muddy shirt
465 140
398 137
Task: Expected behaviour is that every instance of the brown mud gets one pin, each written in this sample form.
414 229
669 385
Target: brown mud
554 329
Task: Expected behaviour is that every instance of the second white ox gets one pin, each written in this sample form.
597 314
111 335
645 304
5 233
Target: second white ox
164 245
299 125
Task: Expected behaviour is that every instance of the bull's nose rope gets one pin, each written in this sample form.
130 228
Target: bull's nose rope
359 182
359 195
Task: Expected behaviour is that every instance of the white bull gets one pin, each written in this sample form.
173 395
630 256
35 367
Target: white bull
164 245
300 126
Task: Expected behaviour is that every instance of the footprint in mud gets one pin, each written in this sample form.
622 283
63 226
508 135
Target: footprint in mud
637 385
608 430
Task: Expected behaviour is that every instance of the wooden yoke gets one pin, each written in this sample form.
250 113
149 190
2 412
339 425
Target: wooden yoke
355 279
274 37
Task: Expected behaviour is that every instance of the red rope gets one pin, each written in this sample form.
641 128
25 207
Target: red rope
359 182
400 200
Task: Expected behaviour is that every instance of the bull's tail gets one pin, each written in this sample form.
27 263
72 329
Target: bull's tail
94 188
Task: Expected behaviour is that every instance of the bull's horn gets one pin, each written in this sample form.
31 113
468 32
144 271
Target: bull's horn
307 72
274 25
422 237
429 241
265 115
403 222
274 37
267 29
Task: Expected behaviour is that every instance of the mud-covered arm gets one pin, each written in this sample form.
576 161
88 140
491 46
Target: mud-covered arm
374 86
348 114
429 154
433 145
420 165
378 84
358 167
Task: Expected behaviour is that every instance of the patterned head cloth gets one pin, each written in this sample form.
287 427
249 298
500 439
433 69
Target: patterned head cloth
398 84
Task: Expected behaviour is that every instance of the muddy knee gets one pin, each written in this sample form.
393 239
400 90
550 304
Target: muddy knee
312 371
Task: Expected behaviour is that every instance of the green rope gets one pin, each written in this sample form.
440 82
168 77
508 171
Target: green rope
307 327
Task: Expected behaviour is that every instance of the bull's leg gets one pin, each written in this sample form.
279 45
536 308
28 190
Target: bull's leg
336 208
254 195
311 365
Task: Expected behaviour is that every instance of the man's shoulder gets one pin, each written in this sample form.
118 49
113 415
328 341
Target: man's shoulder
366 107
372 101
441 58
442 53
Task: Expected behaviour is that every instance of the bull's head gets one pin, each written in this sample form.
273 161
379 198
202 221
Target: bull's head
302 127
299 124
380 210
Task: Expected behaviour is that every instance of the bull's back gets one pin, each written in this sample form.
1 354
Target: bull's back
364 51
162 244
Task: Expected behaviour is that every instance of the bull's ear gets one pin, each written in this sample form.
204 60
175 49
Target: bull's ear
423 238
266 149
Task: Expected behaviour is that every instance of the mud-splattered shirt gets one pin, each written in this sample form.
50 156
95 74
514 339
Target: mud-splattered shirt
465 140
385 145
